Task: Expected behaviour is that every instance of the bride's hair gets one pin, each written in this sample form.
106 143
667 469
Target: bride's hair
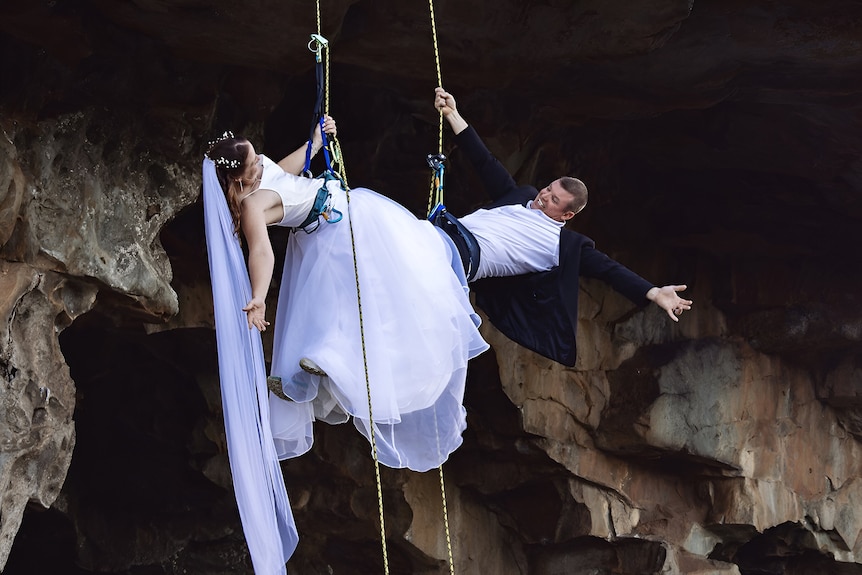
229 154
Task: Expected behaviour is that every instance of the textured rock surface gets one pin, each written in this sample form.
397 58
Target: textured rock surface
37 434
720 143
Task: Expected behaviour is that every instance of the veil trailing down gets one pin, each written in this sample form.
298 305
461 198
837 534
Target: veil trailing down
259 487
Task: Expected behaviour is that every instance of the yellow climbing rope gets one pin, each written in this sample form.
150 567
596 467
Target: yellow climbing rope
439 73
436 197
443 495
368 390
337 160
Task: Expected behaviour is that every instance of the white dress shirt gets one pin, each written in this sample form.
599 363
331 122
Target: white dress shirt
514 240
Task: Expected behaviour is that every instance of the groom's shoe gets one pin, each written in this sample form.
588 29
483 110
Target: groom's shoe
311 367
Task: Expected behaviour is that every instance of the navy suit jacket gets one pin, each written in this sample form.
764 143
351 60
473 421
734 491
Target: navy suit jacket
540 310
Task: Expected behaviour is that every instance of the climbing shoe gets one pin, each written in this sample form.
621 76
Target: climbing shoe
311 367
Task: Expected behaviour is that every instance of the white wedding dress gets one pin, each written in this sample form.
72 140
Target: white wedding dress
418 331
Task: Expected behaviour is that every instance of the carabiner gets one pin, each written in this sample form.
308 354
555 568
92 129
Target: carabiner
319 43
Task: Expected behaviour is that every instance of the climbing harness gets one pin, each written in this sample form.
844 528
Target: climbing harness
464 240
322 207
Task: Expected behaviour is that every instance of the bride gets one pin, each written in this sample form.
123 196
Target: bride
369 303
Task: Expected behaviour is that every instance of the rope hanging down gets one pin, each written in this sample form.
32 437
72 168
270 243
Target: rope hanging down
343 176
435 198
333 158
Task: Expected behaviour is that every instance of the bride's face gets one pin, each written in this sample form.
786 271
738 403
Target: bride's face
253 163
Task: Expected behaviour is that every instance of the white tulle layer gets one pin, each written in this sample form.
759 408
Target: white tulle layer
418 327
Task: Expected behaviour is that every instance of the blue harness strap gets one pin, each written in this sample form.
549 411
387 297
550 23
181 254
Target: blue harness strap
323 200
317 119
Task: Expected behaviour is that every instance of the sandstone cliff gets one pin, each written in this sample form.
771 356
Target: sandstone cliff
720 141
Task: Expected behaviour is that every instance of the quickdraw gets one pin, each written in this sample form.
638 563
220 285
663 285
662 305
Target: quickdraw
322 207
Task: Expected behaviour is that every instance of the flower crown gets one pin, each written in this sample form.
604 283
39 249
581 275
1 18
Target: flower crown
222 162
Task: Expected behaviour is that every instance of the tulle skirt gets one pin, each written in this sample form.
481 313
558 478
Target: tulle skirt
417 333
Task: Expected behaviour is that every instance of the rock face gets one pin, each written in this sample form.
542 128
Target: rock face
720 144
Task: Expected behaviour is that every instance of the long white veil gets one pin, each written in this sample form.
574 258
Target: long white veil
261 494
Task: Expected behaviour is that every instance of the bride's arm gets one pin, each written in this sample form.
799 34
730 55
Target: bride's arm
294 163
261 262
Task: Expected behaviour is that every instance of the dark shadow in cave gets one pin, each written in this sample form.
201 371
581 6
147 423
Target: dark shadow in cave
787 549
45 543
148 488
